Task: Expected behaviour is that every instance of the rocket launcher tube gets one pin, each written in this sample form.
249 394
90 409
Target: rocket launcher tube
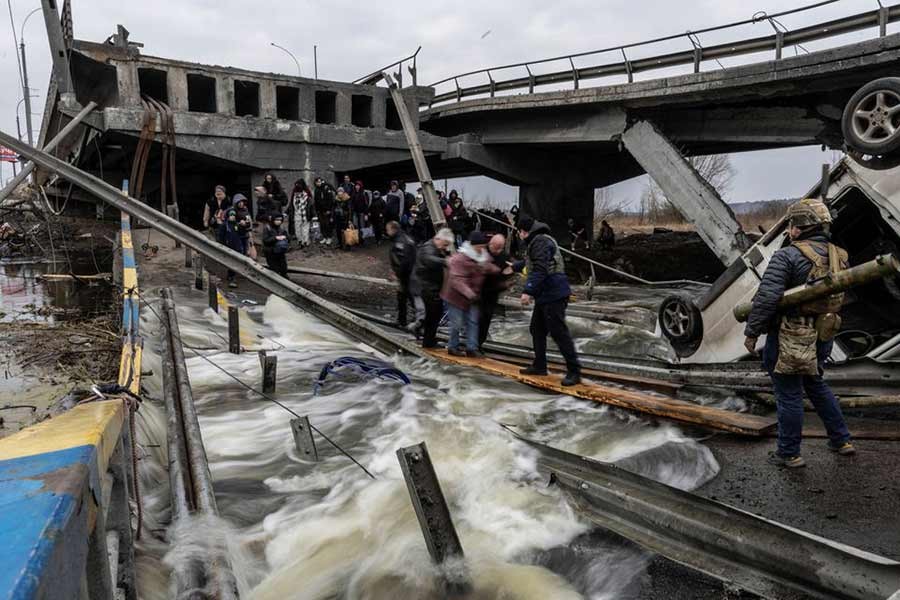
881 267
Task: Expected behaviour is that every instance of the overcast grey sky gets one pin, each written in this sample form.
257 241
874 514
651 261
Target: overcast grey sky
355 38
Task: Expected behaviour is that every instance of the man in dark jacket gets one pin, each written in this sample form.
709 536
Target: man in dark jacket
548 287
789 267
324 199
275 244
428 278
359 209
376 215
403 261
494 285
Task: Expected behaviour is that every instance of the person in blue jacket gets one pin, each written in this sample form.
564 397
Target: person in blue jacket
548 287
234 231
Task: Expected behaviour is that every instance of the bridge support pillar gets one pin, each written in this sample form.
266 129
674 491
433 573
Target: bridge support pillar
557 199
684 187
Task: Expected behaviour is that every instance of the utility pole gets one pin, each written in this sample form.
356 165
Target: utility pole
26 93
316 61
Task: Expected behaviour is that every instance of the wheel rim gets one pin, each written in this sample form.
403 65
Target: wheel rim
676 318
876 118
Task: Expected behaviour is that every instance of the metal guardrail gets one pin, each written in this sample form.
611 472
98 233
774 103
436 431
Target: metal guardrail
242 265
757 554
132 344
696 55
189 477
375 76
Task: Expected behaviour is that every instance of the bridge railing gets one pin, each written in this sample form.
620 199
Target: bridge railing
410 63
466 85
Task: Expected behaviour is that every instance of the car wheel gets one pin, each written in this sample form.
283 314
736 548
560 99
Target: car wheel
871 119
680 321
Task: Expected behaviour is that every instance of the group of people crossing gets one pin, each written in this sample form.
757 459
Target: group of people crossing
469 283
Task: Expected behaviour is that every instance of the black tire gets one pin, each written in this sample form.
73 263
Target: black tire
875 163
877 132
680 321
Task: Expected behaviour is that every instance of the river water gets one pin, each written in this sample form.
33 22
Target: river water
296 529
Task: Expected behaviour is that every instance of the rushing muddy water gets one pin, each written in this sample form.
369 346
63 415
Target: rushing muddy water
296 529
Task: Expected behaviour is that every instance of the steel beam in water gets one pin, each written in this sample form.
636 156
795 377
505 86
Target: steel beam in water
188 574
434 516
759 555
219 576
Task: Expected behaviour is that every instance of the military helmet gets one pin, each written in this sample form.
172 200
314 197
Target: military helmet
807 212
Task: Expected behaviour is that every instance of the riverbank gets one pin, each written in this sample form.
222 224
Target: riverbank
58 332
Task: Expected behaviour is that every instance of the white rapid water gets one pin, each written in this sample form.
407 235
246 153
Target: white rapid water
296 529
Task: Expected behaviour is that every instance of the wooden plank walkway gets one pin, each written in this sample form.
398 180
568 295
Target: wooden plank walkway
669 408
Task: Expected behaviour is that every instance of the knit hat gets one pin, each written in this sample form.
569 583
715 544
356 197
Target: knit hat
476 238
220 188
526 222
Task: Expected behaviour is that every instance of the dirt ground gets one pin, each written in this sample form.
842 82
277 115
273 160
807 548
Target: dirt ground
655 256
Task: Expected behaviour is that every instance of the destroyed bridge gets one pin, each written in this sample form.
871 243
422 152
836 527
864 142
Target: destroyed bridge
557 146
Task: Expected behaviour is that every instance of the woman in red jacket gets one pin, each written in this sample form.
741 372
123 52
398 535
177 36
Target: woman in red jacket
462 290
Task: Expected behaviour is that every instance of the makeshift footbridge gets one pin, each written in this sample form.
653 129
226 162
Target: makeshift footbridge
759 555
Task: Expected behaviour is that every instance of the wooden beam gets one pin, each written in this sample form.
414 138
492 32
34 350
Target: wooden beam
669 408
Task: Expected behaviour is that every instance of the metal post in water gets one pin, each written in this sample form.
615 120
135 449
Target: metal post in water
269 367
234 330
434 517
213 297
303 439
198 271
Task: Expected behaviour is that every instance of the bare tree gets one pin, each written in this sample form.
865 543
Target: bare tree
606 206
716 169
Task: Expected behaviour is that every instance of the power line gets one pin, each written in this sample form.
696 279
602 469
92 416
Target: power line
12 25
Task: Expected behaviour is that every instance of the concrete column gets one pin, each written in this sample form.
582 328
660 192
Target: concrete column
343 108
379 110
267 100
176 83
411 96
225 95
694 197
307 104
557 199
129 89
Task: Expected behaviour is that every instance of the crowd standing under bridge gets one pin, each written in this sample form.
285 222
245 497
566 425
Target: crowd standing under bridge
465 285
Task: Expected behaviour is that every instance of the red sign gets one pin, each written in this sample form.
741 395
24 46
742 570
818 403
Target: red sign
7 155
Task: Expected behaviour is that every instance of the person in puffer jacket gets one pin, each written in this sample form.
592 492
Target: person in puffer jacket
789 267
462 291
548 287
